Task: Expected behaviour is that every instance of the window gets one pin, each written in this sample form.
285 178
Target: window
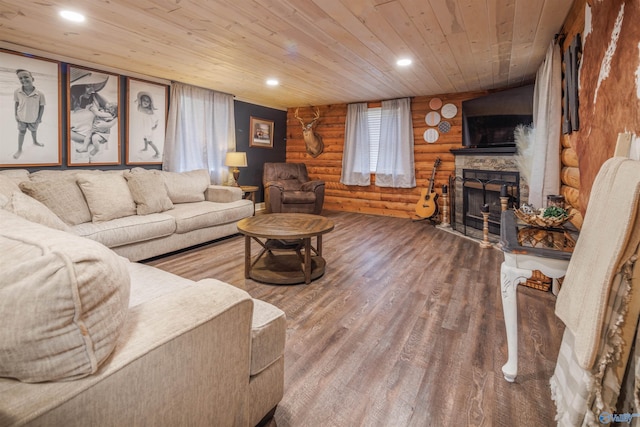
374 116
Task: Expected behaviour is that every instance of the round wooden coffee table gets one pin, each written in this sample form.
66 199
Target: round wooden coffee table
286 256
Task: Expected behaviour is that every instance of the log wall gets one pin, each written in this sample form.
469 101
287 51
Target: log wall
397 202
570 174
583 151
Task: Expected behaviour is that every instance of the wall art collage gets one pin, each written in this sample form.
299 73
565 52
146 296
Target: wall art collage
43 101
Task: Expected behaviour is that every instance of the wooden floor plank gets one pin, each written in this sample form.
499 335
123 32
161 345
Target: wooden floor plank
404 329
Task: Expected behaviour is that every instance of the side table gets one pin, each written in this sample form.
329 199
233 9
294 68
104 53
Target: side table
249 192
549 252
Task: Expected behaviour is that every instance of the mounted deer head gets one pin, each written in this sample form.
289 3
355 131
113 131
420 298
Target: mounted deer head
312 140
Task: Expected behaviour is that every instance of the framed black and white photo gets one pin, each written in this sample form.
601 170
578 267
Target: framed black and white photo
93 113
146 121
261 133
29 111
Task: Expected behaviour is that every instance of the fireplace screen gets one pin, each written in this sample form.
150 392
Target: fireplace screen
484 187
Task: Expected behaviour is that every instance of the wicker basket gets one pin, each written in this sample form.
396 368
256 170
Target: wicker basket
538 281
540 221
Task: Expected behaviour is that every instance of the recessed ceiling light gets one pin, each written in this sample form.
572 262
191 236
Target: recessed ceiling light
273 82
404 62
72 16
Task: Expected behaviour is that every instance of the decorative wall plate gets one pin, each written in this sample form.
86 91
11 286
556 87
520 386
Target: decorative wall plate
435 103
449 111
432 118
431 135
444 127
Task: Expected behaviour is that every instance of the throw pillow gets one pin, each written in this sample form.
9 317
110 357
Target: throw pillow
148 191
63 302
185 187
62 195
107 195
31 209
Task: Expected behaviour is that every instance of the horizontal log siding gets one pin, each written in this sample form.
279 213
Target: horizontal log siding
397 202
570 174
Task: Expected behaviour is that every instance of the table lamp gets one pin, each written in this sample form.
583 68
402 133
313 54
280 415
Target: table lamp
235 160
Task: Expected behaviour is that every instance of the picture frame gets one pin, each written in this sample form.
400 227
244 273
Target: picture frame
19 149
147 110
93 117
261 133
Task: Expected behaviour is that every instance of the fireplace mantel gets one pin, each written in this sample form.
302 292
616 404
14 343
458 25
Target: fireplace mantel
484 151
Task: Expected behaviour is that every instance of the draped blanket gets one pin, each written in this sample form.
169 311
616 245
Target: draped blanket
609 237
597 302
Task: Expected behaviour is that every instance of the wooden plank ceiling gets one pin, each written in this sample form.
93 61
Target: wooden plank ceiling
321 51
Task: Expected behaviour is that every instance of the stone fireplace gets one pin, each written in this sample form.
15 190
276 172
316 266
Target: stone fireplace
479 178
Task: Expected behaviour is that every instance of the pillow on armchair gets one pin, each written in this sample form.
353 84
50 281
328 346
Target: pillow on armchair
63 302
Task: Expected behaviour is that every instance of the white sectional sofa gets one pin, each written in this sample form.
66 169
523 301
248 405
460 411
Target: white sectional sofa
138 213
90 338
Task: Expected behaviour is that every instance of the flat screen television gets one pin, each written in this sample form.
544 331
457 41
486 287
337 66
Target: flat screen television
490 120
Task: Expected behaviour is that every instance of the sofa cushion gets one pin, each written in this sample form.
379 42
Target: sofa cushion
62 195
185 187
127 230
8 186
15 175
31 209
149 283
148 191
46 174
268 334
63 301
194 216
107 195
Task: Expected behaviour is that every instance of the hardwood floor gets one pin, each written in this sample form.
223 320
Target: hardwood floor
404 329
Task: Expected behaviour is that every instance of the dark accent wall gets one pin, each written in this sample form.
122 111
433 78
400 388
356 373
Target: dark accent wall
257 157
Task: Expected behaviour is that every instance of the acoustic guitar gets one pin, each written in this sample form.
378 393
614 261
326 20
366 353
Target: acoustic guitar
427 206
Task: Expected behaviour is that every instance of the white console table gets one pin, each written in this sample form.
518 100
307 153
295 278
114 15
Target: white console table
549 254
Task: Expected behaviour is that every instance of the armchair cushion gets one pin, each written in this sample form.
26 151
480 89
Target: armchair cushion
291 184
298 197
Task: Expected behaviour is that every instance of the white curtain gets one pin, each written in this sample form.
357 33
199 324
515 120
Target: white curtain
395 166
200 131
547 110
355 158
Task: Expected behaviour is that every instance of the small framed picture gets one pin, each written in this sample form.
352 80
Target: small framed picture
261 133
93 115
31 132
146 121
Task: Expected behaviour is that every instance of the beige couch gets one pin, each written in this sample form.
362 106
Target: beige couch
138 213
90 338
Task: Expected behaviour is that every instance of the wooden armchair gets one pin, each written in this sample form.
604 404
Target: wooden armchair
287 188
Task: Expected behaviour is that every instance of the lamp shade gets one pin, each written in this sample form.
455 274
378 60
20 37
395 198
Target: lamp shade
236 159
